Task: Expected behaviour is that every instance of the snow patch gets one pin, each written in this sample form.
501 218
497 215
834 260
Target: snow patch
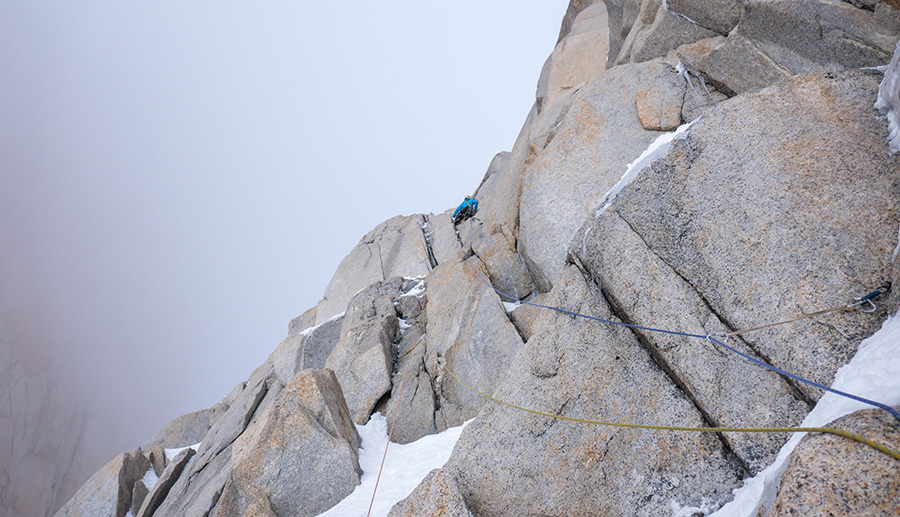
417 290
706 506
897 249
403 325
405 467
657 149
873 373
888 102
314 327
686 74
171 453
665 5
510 306
150 478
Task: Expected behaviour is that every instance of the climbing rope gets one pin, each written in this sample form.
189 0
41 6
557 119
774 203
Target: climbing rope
715 338
827 430
724 336
393 421
856 302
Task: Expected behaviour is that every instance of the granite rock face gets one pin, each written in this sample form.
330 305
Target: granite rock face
436 495
578 58
590 134
774 40
306 434
780 198
644 290
656 31
829 475
584 370
800 167
110 490
99 494
720 17
765 41
183 431
396 247
164 483
363 357
467 329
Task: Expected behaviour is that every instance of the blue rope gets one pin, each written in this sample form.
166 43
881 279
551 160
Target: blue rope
676 333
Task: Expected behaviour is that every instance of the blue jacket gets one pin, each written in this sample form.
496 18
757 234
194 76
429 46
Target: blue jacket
469 201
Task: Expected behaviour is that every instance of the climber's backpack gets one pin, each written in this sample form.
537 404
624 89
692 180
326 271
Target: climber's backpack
465 210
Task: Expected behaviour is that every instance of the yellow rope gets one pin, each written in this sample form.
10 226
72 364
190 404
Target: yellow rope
826 430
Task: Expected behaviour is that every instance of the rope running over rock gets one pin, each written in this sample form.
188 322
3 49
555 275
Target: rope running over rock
393 421
826 430
699 336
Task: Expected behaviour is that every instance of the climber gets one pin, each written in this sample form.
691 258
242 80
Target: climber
465 210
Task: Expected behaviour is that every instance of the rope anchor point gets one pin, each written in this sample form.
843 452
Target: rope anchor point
867 299
717 336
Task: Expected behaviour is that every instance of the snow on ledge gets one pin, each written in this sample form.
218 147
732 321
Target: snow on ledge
329 320
657 149
510 306
171 453
405 467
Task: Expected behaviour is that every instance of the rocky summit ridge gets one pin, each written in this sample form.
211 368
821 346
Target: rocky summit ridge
781 198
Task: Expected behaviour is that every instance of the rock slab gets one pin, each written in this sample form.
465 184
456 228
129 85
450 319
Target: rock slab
831 475
436 495
583 369
306 434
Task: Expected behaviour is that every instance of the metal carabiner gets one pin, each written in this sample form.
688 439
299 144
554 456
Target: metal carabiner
867 299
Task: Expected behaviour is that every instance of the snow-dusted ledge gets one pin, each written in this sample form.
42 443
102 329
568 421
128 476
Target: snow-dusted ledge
405 467
655 150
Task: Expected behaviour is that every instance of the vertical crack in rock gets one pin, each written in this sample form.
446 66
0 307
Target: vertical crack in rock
501 300
215 501
434 383
619 312
426 235
796 391
381 260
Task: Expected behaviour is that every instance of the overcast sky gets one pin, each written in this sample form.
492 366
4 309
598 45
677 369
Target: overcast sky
180 179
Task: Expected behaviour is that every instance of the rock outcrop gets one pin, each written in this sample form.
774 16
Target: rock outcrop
164 483
828 475
396 247
438 494
110 490
780 198
583 370
363 356
305 435
589 134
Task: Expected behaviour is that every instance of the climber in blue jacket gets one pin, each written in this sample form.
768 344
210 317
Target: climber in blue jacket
465 210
